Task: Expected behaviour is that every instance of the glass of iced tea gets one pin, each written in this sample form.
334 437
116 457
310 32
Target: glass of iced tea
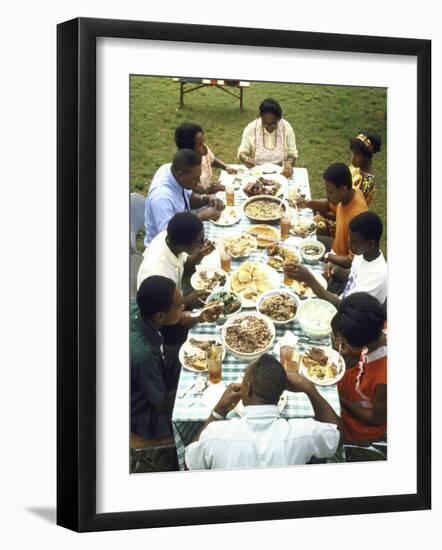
288 359
215 363
230 194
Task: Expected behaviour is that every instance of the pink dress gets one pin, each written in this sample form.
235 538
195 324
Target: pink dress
206 168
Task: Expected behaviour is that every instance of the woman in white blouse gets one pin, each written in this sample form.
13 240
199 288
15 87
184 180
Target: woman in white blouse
269 139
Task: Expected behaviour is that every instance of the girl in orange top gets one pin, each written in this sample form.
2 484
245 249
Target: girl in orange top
358 327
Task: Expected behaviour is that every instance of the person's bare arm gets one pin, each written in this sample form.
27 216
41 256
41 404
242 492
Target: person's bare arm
320 205
227 402
301 273
377 415
341 261
324 412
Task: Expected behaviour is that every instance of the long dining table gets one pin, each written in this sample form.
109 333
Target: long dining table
190 410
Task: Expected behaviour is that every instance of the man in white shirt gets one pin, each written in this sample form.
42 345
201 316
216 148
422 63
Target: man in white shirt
368 268
260 438
175 251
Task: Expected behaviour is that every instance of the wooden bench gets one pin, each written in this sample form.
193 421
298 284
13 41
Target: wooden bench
197 83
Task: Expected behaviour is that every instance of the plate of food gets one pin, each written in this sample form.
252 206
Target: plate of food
304 291
265 169
280 306
278 254
208 279
231 301
240 245
248 335
193 353
274 185
229 216
322 366
251 280
263 208
265 234
239 409
303 227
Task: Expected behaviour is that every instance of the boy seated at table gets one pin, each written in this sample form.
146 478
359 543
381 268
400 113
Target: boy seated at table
365 272
153 374
174 253
349 203
362 148
260 437
173 190
358 326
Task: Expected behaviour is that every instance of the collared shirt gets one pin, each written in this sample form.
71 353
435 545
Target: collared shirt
259 439
165 198
160 260
248 141
148 387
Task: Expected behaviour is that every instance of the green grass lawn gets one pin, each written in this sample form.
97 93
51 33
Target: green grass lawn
324 119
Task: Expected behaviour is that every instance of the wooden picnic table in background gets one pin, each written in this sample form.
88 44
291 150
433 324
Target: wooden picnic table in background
223 85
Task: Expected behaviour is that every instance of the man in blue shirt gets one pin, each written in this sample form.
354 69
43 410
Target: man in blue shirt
171 191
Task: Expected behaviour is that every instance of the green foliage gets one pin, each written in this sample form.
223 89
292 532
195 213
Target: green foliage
324 119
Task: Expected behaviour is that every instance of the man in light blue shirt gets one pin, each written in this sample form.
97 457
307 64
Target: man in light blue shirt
171 191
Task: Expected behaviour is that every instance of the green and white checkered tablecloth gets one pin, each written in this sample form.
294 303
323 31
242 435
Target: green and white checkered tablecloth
189 413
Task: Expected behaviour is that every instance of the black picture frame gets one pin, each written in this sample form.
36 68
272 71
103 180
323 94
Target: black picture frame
76 273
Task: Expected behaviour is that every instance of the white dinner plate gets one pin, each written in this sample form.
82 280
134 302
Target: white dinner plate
274 278
198 284
309 293
267 169
335 358
282 191
229 216
187 347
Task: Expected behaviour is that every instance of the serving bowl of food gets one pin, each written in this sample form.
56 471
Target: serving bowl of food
264 234
311 251
208 279
314 317
231 301
248 335
193 353
322 366
240 245
263 208
251 280
279 305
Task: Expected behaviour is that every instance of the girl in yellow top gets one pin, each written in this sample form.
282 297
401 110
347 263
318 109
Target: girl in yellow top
363 147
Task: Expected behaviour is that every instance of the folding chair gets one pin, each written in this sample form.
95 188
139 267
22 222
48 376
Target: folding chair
137 205
152 455
362 452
